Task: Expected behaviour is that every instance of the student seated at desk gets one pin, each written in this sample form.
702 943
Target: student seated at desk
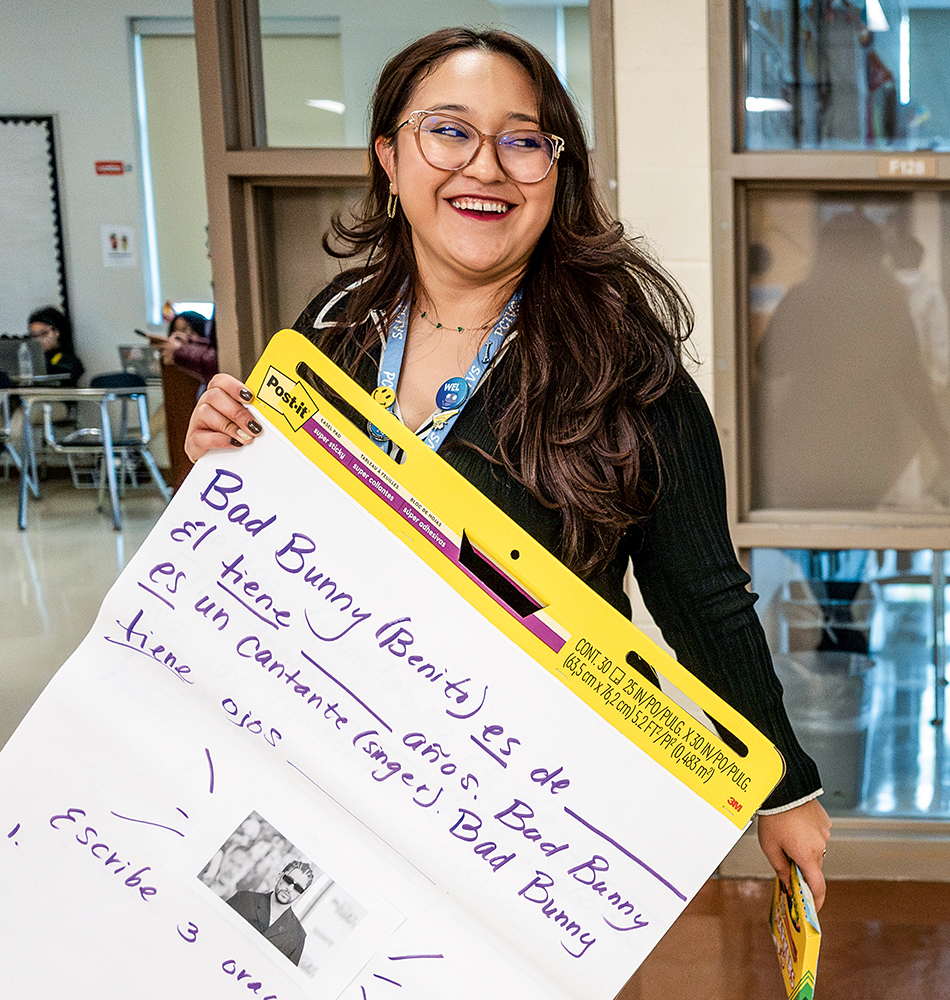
55 333
190 346
189 360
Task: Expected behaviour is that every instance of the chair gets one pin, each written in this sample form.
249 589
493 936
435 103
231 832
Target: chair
84 447
6 434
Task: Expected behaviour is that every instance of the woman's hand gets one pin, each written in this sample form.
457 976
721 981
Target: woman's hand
798 835
167 345
220 419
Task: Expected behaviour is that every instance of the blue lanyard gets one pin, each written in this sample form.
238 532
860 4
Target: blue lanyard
455 393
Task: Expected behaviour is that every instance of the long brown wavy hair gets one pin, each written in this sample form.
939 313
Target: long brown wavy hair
600 330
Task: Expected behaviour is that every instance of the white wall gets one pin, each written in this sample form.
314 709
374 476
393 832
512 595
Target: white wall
662 88
74 60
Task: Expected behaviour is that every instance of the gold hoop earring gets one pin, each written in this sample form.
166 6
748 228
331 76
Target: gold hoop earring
391 204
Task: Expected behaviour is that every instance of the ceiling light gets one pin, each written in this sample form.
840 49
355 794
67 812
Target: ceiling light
335 106
767 104
874 15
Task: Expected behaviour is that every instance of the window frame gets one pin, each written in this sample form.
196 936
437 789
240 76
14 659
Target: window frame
239 168
734 173
863 845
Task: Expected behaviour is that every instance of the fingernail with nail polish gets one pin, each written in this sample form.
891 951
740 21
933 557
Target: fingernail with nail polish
237 444
246 395
243 435
254 427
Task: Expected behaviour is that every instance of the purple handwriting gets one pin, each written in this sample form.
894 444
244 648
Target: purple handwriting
190 935
396 639
587 874
294 558
387 767
488 850
164 581
218 495
255 726
336 616
206 608
435 754
340 684
424 766
255 986
469 825
235 580
188 530
403 958
291 559
490 734
623 850
536 891
148 822
136 637
251 648
102 852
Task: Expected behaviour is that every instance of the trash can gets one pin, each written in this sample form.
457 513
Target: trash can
827 615
828 698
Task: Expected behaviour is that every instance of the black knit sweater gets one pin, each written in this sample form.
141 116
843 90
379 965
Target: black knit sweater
683 557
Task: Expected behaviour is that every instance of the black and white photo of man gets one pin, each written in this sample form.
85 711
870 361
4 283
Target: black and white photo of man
272 913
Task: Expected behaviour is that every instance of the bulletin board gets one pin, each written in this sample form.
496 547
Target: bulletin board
32 265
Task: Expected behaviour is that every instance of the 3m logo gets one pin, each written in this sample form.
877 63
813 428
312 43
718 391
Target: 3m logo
735 805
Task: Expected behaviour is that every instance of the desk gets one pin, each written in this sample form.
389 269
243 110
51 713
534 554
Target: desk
28 397
36 381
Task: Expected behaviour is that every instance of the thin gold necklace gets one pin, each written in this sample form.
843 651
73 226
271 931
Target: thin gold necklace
424 314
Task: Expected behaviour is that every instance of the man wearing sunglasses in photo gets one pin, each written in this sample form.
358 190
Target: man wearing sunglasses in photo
272 913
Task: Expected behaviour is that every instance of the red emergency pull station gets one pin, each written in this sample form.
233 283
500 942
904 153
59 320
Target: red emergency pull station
110 167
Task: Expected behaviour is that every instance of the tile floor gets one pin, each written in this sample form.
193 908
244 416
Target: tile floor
53 577
880 941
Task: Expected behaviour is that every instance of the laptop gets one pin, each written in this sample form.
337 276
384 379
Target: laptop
10 355
141 359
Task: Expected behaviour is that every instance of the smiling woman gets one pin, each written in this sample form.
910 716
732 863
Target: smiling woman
502 314
474 225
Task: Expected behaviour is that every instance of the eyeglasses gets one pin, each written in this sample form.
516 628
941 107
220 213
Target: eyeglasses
286 878
449 143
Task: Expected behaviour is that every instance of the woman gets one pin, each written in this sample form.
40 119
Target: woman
189 360
482 221
190 346
55 334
